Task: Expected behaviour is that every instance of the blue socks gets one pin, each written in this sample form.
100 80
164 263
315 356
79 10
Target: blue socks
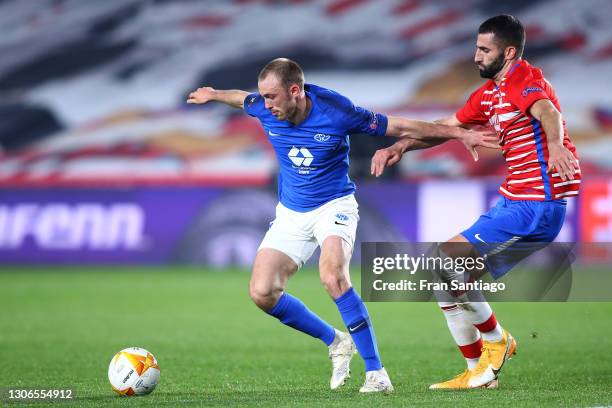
292 312
356 318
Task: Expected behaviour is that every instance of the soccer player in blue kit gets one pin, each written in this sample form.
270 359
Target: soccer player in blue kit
309 127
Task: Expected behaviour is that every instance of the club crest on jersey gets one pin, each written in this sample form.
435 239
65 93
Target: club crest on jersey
320 137
527 91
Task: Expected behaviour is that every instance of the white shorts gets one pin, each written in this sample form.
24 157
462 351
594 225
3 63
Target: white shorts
297 234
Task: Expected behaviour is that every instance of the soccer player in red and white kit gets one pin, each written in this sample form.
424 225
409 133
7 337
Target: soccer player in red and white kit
543 170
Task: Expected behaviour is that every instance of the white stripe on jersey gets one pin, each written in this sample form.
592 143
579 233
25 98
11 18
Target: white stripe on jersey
557 174
524 180
501 105
526 171
532 142
518 130
522 195
522 164
521 137
565 183
567 193
522 119
504 117
519 156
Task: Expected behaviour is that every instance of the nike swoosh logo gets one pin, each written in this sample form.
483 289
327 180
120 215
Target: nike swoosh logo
339 223
477 236
271 133
352 329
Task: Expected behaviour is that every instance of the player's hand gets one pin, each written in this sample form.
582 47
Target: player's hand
479 137
562 161
384 158
201 95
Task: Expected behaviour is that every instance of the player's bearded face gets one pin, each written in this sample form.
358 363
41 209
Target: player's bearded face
490 57
492 68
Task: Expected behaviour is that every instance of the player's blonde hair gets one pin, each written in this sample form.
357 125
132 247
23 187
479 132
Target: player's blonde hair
286 70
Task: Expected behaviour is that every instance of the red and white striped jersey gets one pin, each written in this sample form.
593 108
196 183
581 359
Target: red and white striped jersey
521 136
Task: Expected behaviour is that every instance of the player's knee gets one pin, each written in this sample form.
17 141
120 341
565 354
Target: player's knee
264 297
335 282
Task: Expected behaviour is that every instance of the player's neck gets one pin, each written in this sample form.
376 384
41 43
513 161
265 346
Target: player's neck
502 72
303 109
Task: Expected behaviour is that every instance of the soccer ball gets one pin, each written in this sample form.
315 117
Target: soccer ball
133 371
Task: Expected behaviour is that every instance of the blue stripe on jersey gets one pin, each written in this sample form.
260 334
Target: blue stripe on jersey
537 132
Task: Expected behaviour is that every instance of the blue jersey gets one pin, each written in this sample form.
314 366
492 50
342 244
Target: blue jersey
313 156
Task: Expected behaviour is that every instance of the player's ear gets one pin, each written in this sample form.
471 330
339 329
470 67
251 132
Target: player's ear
510 52
294 90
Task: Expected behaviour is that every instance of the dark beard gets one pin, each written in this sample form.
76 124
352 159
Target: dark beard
492 69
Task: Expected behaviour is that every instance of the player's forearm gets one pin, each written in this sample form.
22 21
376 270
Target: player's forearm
407 144
420 130
234 97
552 123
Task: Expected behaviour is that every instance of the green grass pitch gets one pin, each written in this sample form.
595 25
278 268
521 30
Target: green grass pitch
59 328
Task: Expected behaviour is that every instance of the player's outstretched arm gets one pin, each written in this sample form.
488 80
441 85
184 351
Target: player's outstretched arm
234 98
445 129
414 135
389 156
560 158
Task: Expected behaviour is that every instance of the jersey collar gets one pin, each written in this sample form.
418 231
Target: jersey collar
512 69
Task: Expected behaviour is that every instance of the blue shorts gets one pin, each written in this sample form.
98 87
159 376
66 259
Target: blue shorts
513 230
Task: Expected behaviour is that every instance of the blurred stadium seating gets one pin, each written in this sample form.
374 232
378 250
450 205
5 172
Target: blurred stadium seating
93 111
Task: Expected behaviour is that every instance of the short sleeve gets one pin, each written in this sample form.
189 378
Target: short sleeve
525 95
364 121
252 104
354 119
471 112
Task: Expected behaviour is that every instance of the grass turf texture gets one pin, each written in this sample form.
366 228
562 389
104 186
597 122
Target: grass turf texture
59 328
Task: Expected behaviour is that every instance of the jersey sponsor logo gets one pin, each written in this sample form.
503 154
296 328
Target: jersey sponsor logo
300 156
529 90
320 137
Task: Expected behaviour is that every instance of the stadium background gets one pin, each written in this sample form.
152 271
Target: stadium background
104 165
